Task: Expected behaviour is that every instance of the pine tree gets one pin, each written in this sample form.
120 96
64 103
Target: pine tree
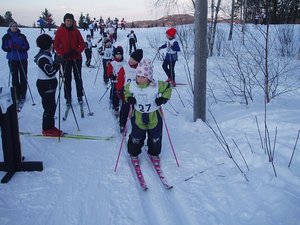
47 16
8 17
2 21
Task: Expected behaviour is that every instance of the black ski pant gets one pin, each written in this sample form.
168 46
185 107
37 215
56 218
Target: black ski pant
115 101
125 107
74 66
88 55
47 89
104 63
132 45
18 70
168 67
138 136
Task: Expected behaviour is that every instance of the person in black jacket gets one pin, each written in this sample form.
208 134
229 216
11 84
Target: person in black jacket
132 41
16 45
47 83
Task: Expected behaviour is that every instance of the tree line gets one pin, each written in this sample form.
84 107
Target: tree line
6 19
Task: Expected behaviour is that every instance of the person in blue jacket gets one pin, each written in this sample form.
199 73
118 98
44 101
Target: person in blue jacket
16 45
172 47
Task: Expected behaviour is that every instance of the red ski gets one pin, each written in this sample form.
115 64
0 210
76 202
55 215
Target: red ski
138 171
156 164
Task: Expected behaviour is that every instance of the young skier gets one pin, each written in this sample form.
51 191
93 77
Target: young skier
88 50
125 75
132 41
113 68
146 96
106 51
47 84
172 47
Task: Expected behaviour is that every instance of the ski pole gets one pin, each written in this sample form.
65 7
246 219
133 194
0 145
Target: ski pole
58 99
87 103
123 138
65 89
155 56
163 116
9 74
23 70
80 78
173 79
179 96
105 92
98 70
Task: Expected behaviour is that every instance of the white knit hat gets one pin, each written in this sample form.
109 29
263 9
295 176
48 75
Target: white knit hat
145 69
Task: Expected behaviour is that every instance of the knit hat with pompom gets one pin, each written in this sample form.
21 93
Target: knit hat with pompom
145 69
171 32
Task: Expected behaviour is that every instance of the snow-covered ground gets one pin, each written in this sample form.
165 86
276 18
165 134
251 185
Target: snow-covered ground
78 185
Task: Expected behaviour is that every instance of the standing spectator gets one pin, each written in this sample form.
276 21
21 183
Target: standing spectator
256 19
85 23
123 22
16 45
47 84
172 47
91 28
42 23
101 25
132 41
264 19
49 22
69 44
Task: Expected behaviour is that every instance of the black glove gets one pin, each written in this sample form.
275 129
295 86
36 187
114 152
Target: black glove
131 100
56 66
113 77
161 100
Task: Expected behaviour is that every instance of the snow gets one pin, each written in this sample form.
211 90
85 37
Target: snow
78 184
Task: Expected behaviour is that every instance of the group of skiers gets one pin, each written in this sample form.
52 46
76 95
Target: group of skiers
134 92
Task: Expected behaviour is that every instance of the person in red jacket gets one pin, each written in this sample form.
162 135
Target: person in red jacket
69 45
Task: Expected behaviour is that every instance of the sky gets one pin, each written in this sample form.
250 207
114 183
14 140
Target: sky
78 185
29 12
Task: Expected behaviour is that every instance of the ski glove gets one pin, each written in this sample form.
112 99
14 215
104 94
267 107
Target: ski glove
131 100
161 100
113 77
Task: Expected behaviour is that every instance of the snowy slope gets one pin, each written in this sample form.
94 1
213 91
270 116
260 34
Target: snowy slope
78 184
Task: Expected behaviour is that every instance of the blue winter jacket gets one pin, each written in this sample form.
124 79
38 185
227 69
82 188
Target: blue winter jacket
16 45
171 53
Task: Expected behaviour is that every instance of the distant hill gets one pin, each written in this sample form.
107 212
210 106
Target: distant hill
170 20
